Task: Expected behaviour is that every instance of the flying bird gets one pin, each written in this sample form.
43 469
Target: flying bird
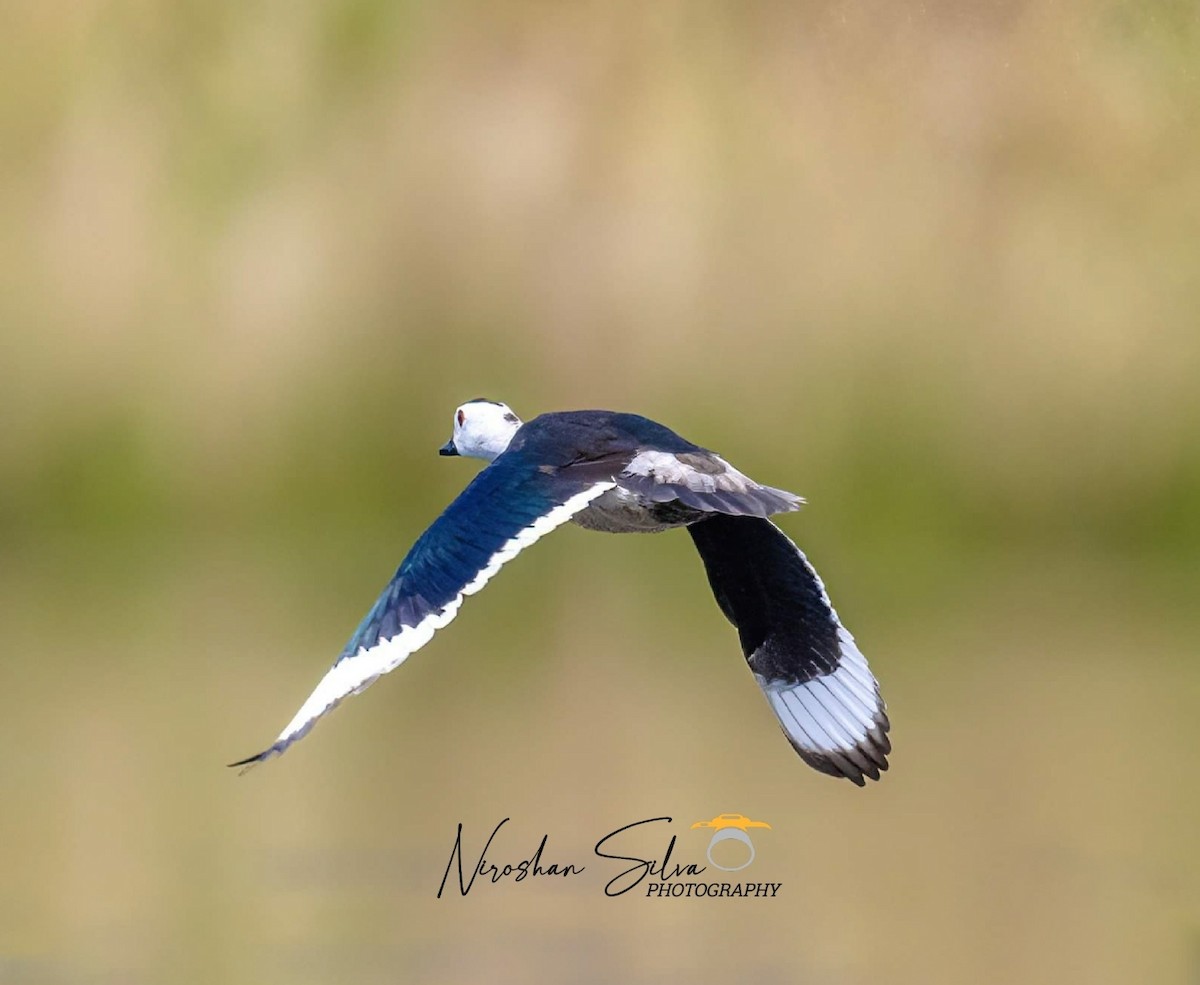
621 473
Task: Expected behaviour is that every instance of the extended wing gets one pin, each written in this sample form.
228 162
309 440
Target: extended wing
507 507
808 665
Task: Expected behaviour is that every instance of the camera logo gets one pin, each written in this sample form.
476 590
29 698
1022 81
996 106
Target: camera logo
730 827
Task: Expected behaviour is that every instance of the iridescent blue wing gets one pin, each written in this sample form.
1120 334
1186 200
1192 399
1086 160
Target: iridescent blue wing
509 505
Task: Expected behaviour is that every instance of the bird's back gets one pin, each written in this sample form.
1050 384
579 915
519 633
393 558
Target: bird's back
584 435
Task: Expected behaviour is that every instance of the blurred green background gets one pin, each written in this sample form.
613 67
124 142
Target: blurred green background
936 267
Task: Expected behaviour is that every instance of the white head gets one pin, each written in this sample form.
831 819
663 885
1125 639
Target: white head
482 429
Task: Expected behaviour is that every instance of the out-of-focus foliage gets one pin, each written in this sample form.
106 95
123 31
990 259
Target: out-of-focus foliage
936 267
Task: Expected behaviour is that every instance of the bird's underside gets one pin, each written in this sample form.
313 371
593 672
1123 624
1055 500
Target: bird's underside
633 476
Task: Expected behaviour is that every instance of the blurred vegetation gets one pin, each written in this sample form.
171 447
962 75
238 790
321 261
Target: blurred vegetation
935 267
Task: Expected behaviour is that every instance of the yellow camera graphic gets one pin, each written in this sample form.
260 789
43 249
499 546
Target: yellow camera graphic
730 827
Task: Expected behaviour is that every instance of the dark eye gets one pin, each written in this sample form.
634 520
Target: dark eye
511 418
461 418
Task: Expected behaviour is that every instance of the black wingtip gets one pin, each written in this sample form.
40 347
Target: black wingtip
832 764
247 764
866 761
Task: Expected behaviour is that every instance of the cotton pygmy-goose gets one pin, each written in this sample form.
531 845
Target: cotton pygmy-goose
622 473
